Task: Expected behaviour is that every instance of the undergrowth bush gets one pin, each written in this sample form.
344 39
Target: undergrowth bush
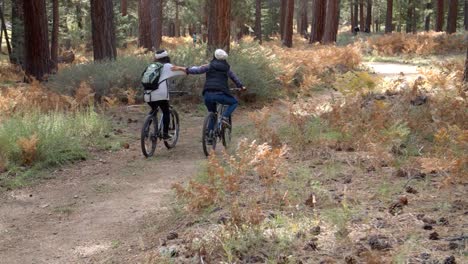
123 73
38 140
232 180
255 65
424 43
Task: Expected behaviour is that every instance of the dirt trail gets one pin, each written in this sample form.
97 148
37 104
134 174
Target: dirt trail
393 70
93 211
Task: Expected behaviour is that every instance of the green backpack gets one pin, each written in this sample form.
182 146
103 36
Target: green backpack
150 77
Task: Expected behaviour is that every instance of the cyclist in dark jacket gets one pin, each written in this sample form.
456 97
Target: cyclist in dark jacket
216 88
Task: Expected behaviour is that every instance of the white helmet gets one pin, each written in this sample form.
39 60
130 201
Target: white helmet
220 54
161 54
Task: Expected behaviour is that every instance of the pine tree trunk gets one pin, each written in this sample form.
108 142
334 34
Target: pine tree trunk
258 21
17 33
409 16
79 18
103 30
465 10
55 32
283 12
288 25
361 15
156 23
219 26
331 22
4 31
452 16
440 16
389 18
427 19
144 24
124 7
37 55
465 77
351 9
177 21
369 16
318 20
303 18
356 13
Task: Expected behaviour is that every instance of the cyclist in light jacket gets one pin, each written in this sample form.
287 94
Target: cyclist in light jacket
160 97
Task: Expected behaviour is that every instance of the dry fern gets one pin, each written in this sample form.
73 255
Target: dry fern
28 148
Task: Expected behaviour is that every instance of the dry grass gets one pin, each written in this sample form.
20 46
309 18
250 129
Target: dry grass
423 43
28 148
234 180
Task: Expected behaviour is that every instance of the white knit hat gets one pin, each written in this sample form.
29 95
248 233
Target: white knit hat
161 55
220 54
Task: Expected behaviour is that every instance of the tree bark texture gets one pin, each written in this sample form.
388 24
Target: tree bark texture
318 20
258 21
361 15
156 27
79 18
55 33
17 33
283 12
177 20
410 16
219 26
465 10
389 17
352 15
302 19
37 56
4 31
288 25
369 16
144 24
103 30
452 16
427 18
331 22
465 77
124 7
440 16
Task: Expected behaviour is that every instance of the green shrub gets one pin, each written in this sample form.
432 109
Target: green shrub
60 137
251 62
125 72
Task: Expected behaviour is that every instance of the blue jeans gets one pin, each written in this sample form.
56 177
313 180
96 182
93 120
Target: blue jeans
212 98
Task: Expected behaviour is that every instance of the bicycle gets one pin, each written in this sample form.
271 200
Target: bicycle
152 130
220 133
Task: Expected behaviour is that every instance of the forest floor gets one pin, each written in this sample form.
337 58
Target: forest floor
113 207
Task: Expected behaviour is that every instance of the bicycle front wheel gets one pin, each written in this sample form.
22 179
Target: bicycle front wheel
173 130
149 136
208 135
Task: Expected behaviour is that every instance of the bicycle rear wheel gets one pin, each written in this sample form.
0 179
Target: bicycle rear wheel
208 136
226 134
149 136
173 130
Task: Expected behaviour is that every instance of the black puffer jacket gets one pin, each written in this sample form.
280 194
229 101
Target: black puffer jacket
217 77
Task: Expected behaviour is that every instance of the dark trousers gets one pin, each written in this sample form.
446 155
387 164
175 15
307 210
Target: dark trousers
212 98
164 105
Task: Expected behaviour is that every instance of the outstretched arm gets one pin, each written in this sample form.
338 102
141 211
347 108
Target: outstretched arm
192 70
235 79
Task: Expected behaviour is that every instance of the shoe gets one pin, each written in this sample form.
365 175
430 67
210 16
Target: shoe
166 137
225 122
